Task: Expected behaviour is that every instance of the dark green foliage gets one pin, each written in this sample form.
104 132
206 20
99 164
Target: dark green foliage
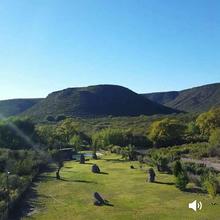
16 106
101 100
17 133
177 168
17 172
128 153
210 184
214 138
181 181
198 99
197 150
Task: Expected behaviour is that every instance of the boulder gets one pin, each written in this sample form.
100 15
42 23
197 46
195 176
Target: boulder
82 159
95 169
151 175
98 200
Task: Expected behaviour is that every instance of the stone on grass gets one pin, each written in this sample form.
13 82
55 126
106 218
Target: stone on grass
82 159
95 169
98 200
151 175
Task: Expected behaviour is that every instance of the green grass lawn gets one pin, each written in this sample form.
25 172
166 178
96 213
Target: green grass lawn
127 189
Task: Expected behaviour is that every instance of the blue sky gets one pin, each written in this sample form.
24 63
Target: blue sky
146 45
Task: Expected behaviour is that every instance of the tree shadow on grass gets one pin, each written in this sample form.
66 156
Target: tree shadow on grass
78 181
195 190
164 183
104 173
116 160
28 205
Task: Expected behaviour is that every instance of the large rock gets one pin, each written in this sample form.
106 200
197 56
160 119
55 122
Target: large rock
151 175
82 159
95 169
98 200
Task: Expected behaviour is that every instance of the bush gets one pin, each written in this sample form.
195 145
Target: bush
214 151
181 181
115 149
177 168
211 184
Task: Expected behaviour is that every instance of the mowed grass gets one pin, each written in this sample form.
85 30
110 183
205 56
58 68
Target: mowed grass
125 188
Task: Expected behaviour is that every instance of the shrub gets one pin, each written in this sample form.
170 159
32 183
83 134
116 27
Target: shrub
177 168
211 184
116 149
214 138
214 151
181 181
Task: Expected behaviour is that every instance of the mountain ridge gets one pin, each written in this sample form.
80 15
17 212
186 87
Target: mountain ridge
98 100
196 99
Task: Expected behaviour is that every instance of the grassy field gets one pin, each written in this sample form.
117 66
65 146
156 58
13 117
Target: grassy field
125 188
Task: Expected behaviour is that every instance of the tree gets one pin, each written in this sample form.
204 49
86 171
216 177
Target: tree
66 130
166 132
76 141
208 121
57 157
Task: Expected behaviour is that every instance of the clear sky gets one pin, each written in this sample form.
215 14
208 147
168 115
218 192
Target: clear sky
146 45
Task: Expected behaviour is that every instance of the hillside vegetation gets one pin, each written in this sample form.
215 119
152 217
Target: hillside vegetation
13 107
92 101
198 99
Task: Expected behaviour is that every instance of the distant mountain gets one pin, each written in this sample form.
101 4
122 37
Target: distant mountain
13 107
197 99
92 101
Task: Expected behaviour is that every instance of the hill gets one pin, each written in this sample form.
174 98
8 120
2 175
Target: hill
13 107
92 101
197 99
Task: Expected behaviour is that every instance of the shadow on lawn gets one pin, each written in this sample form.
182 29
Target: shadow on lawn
78 181
104 173
116 160
164 183
29 203
195 190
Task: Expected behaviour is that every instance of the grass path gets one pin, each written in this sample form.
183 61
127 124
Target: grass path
127 189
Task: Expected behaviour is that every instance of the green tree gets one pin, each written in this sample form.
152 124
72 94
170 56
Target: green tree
166 132
65 130
76 141
208 121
